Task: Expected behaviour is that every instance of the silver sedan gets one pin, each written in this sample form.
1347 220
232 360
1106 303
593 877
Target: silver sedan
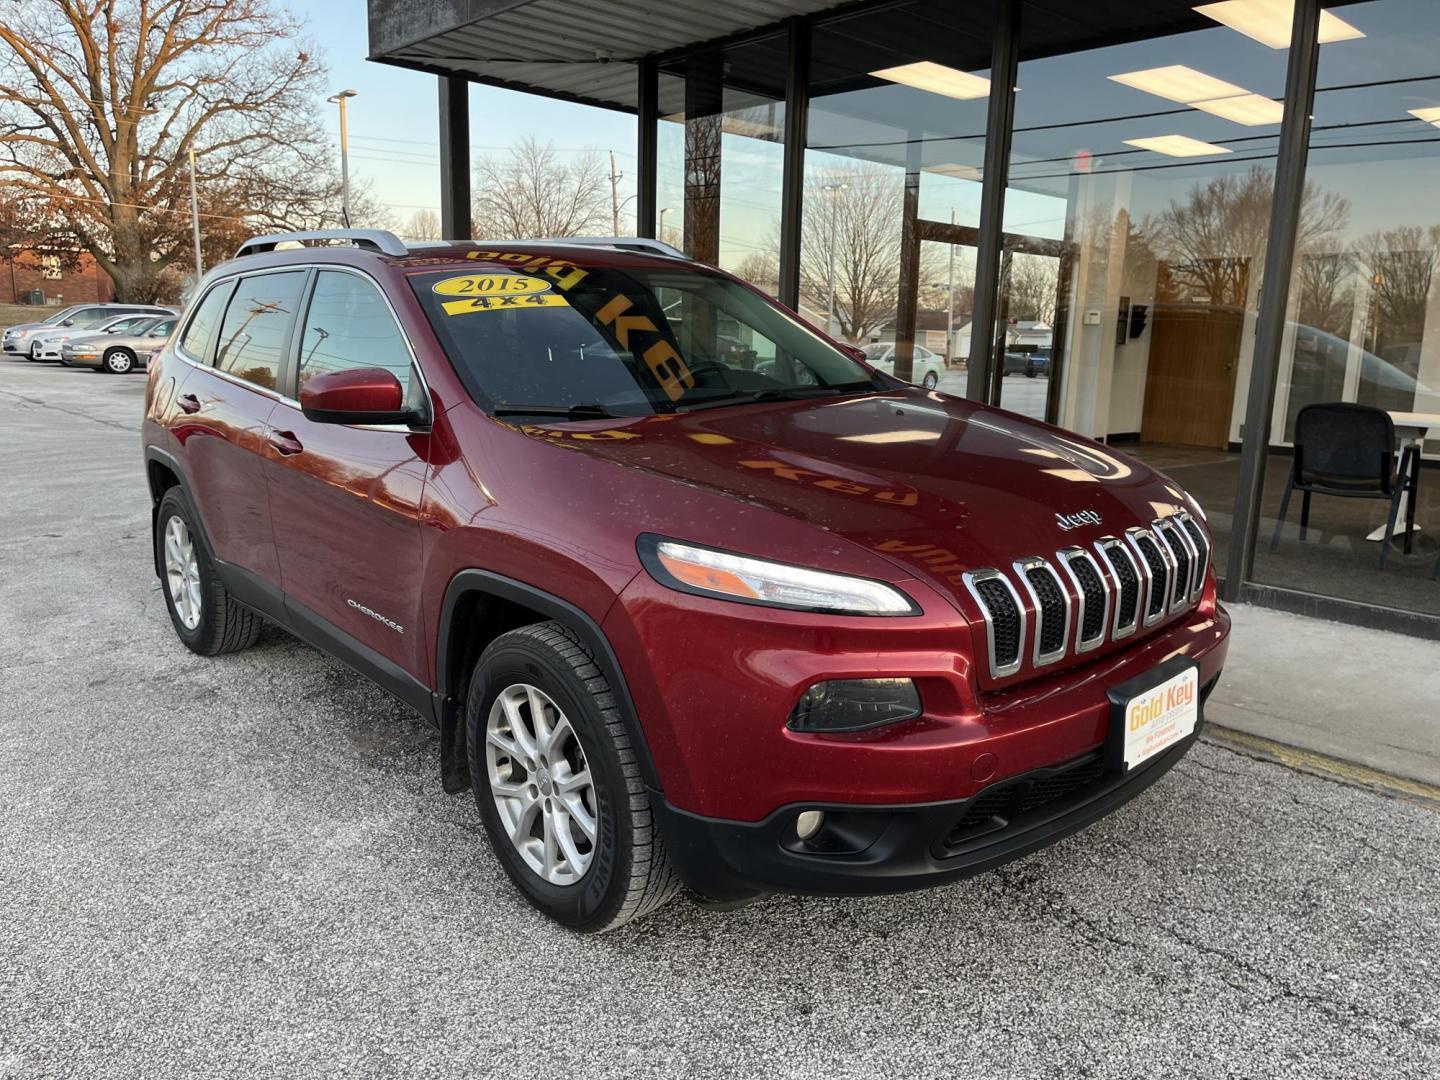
122 347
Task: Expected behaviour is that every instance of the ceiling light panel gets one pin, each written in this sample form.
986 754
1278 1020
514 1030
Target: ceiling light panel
1177 146
937 79
1269 21
1252 110
1179 83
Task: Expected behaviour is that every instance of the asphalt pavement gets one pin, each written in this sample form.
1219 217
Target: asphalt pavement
246 867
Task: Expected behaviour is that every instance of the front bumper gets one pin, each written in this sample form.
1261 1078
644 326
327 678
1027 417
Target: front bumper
895 848
73 360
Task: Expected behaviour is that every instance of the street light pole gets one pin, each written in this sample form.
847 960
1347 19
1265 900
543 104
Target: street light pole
340 99
950 300
830 273
660 233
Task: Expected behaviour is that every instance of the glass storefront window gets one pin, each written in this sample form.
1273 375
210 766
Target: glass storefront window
721 154
1363 325
1135 223
896 140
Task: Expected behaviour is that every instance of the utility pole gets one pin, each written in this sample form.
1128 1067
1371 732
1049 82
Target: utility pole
195 220
614 197
833 190
340 99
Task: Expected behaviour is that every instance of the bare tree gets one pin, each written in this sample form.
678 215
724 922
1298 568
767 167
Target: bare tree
530 193
1214 238
853 218
1031 287
101 102
1401 264
761 269
423 225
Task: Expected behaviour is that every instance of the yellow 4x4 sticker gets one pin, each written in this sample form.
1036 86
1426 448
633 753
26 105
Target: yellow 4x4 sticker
494 292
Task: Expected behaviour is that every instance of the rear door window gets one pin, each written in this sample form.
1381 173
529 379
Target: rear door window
256 327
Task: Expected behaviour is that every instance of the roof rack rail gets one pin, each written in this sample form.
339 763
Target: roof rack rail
626 243
386 243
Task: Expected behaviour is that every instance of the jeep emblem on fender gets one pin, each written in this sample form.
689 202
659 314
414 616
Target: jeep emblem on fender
1075 520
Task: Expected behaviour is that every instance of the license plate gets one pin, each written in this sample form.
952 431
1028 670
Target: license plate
1152 713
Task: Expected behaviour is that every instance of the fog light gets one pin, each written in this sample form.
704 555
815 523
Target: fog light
808 823
855 704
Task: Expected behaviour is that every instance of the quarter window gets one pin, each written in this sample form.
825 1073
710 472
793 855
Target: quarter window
200 333
252 337
349 325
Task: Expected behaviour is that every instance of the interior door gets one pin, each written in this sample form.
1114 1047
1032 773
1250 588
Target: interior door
345 499
1190 381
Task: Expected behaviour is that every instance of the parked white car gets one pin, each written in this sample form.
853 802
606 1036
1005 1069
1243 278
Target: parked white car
927 368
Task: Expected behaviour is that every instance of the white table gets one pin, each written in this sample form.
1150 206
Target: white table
1410 431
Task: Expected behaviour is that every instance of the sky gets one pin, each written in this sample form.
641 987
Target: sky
394 126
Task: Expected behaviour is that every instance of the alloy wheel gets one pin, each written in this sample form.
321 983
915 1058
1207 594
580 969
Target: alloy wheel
541 784
182 572
118 362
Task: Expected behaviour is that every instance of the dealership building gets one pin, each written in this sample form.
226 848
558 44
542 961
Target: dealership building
1165 225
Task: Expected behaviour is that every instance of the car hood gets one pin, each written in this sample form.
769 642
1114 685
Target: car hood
937 484
29 327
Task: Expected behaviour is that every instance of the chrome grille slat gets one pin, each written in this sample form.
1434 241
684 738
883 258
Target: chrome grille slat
1092 588
1182 555
1104 593
1038 576
1124 569
981 584
1201 544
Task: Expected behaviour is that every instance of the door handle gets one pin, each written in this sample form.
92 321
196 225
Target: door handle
188 403
284 442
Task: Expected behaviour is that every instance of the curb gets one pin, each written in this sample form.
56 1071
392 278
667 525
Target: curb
1322 765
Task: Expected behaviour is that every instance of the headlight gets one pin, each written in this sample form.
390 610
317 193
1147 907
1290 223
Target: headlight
708 572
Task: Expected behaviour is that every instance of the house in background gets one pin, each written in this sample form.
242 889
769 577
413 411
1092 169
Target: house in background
26 272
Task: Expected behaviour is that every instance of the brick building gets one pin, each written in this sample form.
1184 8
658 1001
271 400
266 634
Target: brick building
22 270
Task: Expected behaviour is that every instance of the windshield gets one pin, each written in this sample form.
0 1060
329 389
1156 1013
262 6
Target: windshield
60 316
552 336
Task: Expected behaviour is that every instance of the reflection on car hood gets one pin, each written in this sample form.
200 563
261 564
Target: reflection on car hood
936 483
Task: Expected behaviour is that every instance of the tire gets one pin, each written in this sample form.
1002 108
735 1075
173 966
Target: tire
30 353
623 873
931 380
1029 374
220 625
118 362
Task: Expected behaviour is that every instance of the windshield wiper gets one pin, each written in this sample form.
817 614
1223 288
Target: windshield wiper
584 410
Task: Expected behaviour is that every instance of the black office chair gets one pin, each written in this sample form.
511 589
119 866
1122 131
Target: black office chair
1349 451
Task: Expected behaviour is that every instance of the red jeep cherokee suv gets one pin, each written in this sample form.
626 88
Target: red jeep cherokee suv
693 594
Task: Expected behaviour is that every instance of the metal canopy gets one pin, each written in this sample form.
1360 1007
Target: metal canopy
580 50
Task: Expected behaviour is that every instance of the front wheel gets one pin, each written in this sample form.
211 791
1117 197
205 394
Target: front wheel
931 380
558 785
118 362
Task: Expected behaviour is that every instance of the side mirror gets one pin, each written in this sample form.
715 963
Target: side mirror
854 352
68 322
367 395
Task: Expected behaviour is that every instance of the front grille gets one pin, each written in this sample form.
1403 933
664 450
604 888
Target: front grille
1170 557
999 804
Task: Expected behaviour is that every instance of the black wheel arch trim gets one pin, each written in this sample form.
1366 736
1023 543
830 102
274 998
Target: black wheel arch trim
450 712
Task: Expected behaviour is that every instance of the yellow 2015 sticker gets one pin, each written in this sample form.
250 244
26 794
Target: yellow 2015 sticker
491 285
503 303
